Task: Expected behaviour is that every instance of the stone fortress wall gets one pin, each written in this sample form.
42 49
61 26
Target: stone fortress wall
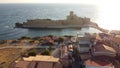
72 20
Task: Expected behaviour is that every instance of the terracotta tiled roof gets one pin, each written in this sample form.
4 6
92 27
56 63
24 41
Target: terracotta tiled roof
99 61
22 64
37 64
116 39
104 48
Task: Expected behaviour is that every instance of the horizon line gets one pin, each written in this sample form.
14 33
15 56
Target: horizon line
45 3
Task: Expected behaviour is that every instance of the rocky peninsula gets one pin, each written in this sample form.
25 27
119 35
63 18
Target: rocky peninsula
71 21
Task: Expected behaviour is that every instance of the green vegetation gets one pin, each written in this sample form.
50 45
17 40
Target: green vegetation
51 36
32 53
50 48
32 41
25 37
45 52
60 39
36 38
68 36
48 19
15 41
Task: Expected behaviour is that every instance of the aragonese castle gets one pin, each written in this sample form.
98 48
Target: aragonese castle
72 21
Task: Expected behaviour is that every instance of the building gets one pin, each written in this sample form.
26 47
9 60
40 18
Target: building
38 61
106 50
99 62
101 56
84 44
72 21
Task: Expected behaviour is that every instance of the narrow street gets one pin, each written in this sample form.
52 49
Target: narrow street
56 53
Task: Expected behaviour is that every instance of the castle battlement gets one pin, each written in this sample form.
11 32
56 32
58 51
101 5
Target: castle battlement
71 20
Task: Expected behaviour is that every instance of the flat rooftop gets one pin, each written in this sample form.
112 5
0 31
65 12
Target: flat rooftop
41 58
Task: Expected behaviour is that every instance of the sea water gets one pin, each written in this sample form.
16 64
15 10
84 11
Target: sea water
12 13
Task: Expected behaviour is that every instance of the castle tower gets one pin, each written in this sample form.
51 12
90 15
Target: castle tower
70 16
71 13
73 19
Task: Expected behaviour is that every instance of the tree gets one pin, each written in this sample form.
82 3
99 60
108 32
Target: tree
32 41
50 48
32 53
51 36
45 52
15 41
36 38
68 36
25 37
60 39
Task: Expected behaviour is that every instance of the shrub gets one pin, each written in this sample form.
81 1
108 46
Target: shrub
15 41
50 48
51 36
36 38
32 41
61 39
32 53
45 52
68 36
25 37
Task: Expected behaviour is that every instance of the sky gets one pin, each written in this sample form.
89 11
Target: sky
51 1
109 11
